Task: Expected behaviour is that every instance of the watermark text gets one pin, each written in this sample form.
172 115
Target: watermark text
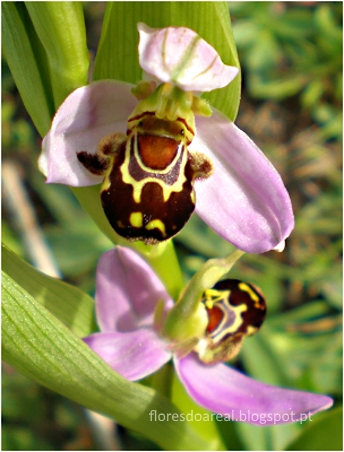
238 416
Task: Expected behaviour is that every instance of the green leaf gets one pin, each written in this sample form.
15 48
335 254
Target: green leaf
266 437
43 349
323 433
61 29
262 361
230 435
117 55
69 304
278 89
27 61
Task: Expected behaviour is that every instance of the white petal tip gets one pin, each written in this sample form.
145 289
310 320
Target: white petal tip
143 27
43 164
280 247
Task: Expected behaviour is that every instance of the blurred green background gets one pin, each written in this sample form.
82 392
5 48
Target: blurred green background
291 56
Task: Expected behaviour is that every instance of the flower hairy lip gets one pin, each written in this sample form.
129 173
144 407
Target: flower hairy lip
127 292
244 201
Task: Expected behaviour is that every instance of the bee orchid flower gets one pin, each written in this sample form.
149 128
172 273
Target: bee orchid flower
127 294
162 148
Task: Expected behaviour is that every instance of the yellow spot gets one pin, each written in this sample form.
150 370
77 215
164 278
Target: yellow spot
136 219
211 293
209 304
158 224
251 330
246 288
213 296
106 183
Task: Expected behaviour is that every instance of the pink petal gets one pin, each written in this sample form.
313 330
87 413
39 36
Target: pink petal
127 291
179 56
245 200
133 355
230 393
87 115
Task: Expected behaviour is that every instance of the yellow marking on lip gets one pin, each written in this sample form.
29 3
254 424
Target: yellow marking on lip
107 182
211 293
167 189
136 219
158 224
244 287
238 310
251 330
209 304
213 296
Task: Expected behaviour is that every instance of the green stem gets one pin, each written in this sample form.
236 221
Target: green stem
164 261
205 425
162 380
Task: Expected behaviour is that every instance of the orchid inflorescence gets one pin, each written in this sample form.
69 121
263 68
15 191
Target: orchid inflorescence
162 152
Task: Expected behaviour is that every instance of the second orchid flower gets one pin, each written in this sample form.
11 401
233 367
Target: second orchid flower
130 341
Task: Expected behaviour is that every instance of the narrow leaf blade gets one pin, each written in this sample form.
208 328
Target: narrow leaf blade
70 305
38 345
